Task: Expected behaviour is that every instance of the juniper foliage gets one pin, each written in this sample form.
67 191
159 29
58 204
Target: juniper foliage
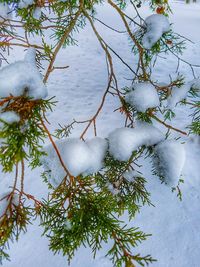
82 210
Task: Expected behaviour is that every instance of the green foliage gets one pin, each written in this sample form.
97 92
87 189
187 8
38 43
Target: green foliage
85 214
23 140
83 210
195 126
13 223
129 194
169 43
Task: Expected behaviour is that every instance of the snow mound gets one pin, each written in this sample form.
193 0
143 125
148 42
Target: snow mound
79 157
170 160
4 11
178 94
123 141
143 96
22 77
156 25
8 117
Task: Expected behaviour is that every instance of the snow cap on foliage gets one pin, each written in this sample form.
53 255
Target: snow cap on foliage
25 3
156 25
8 117
143 96
170 160
78 156
4 11
178 94
98 147
22 77
123 141
30 56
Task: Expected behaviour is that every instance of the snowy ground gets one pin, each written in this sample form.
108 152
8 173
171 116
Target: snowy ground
174 225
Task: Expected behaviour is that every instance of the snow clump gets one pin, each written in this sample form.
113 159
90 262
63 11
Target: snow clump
79 158
156 25
22 77
98 147
178 94
123 141
143 96
170 160
8 117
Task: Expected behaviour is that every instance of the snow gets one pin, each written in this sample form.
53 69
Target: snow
78 156
143 96
25 3
5 198
98 148
8 117
75 155
195 84
123 141
156 25
30 56
178 94
22 77
171 159
131 175
4 203
112 189
37 13
4 11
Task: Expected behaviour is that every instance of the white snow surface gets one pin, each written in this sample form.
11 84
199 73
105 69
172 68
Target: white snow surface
156 25
5 199
4 11
4 203
123 141
171 160
143 96
78 156
78 90
22 77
